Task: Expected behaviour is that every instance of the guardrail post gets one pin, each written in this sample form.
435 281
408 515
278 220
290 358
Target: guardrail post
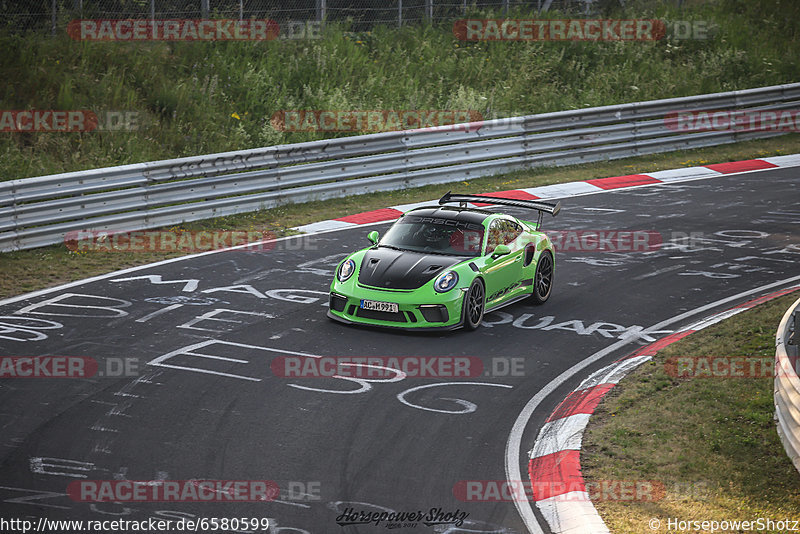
321 9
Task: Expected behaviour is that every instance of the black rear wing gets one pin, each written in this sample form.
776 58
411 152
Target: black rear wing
542 207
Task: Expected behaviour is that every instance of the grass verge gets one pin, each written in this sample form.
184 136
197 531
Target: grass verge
712 442
29 270
192 98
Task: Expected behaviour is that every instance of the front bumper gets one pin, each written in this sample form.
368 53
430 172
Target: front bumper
417 309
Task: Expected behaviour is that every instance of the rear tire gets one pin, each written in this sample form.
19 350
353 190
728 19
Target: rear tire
474 304
543 278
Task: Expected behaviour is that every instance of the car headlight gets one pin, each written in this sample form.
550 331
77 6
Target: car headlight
346 270
446 282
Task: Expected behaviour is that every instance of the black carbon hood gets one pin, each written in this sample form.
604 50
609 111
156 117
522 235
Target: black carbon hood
400 269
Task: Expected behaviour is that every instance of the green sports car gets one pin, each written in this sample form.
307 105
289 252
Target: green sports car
443 267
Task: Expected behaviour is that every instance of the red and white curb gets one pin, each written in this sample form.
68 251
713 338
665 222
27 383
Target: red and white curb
554 468
570 189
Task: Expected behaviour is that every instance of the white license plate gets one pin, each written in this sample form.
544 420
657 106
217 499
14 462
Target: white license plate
380 306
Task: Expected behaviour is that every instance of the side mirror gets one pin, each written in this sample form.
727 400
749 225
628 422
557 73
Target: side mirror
500 250
373 237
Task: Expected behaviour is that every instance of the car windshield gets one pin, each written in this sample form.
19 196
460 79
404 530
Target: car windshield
435 235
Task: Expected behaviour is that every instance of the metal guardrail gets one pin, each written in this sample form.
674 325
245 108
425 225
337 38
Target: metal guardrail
787 383
40 211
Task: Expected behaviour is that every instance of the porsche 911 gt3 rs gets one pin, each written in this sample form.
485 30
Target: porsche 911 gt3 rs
443 267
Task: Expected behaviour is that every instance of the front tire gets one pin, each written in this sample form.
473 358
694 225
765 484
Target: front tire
474 303
543 278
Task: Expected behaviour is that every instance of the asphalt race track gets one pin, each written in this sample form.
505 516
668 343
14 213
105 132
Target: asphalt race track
373 446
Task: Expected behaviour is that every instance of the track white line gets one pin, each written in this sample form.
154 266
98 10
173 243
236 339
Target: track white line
513 445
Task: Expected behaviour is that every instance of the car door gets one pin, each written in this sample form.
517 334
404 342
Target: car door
502 274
